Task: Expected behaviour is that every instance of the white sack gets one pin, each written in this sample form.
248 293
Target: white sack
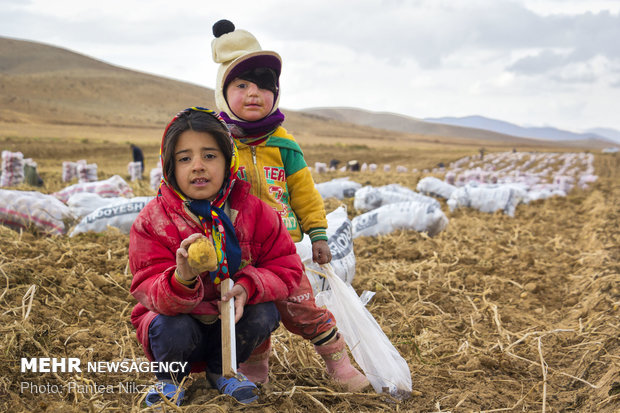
369 198
12 173
320 167
155 177
488 198
23 209
135 170
120 214
340 241
543 193
69 171
436 187
83 203
339 188
412 215
86 172
114 186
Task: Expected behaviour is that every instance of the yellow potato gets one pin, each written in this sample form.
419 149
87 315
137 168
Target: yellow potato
202 256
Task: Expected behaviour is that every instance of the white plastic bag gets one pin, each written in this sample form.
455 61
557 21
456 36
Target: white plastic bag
386 370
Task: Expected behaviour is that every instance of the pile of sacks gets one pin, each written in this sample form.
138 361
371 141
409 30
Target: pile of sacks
388 208
17 170
12 169
96 205
81 170
508 179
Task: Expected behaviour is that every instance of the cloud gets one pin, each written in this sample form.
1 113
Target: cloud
512 59
541 62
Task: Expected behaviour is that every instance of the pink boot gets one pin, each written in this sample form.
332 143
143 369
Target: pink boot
256 368
339 366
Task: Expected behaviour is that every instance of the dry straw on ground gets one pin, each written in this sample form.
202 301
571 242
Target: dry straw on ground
494 314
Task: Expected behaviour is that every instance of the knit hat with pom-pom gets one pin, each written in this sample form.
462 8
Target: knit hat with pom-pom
238 52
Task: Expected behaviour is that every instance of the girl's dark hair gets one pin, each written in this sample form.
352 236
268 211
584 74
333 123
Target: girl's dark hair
197 121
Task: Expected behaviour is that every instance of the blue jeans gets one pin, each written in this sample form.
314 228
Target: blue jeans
183 338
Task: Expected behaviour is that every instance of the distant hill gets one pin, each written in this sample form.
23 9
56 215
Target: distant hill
606 132
46 85
402 123
547 133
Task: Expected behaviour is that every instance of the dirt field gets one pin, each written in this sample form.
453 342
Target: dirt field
494 314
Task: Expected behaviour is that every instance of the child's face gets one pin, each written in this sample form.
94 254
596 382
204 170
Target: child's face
199 165
248 101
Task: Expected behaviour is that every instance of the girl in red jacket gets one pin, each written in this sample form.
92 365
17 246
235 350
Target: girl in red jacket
176 317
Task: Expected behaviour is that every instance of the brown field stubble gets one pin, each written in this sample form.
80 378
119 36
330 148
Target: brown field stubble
494 314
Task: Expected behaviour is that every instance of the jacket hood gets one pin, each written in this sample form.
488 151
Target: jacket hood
234 160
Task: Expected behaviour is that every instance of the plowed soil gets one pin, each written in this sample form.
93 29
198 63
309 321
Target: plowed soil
494 314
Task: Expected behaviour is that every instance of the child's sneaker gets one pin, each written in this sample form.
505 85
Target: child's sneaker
239 387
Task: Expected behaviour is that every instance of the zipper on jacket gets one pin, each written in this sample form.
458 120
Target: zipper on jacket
258 179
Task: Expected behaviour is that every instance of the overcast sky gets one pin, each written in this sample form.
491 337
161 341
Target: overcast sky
529 62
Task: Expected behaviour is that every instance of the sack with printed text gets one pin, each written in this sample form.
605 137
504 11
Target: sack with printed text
120 214
340 241
83 203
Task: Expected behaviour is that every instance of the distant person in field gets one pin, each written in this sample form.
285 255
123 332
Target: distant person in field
138 156
176 317
247 93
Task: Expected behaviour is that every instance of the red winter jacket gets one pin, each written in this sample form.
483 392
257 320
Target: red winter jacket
270 268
